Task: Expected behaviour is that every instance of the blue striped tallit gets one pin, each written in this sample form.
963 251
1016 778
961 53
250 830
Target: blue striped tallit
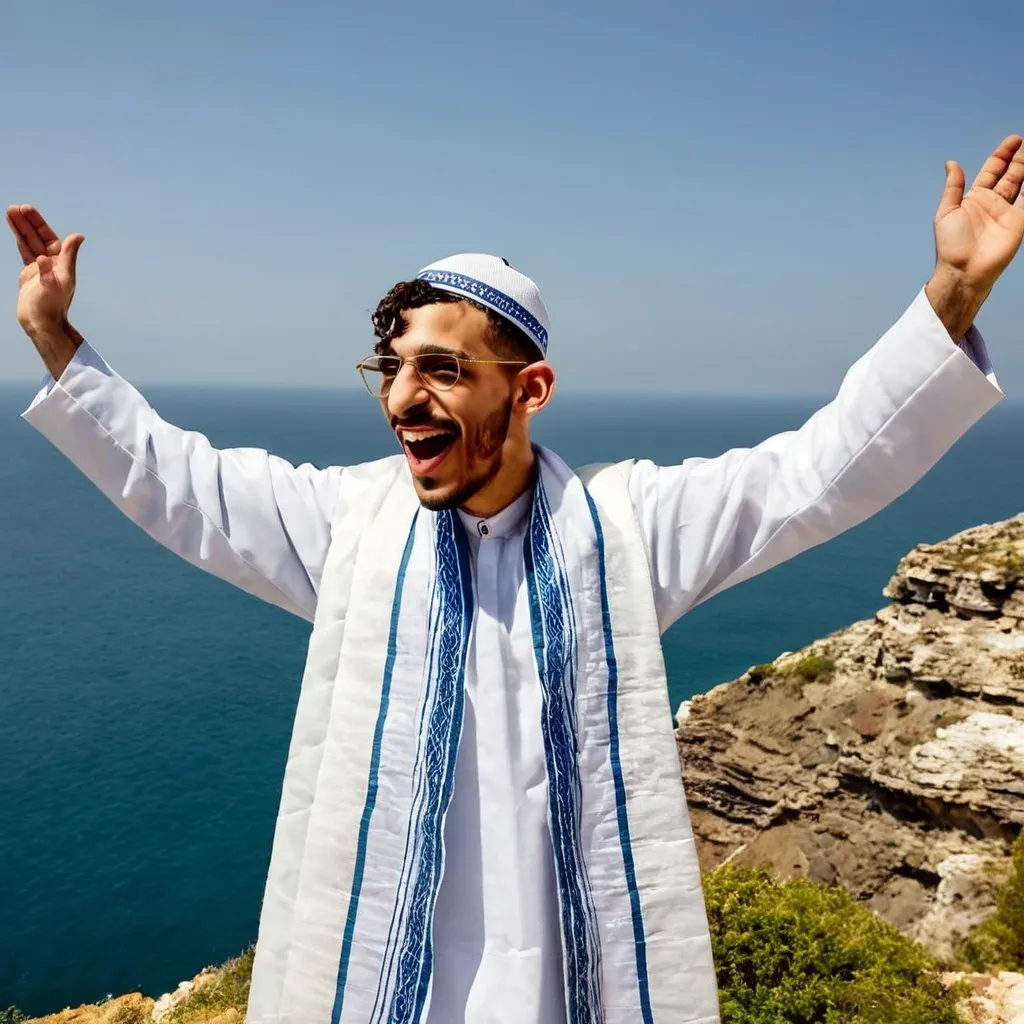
346 932
553 623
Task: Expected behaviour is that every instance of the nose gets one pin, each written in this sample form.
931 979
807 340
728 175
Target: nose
407 392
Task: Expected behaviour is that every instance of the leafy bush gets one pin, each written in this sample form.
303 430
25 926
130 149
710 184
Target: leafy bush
800 953
226 989
12 1015
815 666
999 941
1012 563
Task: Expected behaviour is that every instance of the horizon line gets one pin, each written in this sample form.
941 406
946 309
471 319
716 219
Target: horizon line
32 385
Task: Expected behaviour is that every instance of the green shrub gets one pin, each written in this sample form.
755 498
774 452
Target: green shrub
1012 563
12 1015
759 672
815 666
227 989
999 941
800 953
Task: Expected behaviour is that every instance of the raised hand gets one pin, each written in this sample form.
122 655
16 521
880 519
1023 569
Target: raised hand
47 283
46 286
977 234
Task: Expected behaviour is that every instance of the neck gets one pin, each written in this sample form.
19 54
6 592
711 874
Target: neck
516 475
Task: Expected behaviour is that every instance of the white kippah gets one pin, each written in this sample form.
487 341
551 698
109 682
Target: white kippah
495 283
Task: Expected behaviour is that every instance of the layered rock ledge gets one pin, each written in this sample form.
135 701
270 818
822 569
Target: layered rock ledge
887 758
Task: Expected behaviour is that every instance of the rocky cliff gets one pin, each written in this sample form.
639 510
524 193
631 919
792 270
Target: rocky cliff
887 758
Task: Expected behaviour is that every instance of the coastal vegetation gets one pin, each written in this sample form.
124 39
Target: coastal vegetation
226 990
813 666
999 942
800 952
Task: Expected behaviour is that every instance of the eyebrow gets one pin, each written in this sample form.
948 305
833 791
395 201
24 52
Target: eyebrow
426 350
441 350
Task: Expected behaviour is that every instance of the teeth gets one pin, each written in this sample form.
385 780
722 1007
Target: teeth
425 435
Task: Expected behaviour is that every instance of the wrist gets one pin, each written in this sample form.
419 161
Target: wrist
955 299
56 342
42 327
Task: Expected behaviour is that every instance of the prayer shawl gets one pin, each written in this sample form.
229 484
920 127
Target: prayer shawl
346 929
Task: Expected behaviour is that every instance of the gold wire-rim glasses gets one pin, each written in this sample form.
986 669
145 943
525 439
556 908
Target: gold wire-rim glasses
427 378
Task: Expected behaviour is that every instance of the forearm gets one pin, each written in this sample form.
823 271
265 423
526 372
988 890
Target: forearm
241 514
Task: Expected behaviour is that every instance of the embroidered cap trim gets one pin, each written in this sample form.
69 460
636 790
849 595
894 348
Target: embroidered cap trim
488 296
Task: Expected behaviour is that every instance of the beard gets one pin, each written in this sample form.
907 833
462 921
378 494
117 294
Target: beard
488 441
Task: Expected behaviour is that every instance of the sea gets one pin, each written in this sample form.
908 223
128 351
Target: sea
145 707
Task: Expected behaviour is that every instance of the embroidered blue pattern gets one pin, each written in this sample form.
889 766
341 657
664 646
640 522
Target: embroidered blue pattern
639 936
408 962
554 640
489 296
398 913
371 788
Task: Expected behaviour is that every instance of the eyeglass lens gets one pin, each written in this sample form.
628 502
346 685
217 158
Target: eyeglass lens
436 371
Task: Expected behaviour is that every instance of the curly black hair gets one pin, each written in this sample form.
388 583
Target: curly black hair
507 340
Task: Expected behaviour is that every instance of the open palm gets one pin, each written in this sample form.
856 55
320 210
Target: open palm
978 234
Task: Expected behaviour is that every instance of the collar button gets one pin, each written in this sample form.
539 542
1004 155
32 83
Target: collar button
483 529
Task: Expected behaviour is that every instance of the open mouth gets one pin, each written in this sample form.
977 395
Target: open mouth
426 448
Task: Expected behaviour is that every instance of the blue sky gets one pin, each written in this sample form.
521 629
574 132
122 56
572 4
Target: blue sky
714 198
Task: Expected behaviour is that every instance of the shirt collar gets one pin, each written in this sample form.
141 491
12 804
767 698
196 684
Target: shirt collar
501 523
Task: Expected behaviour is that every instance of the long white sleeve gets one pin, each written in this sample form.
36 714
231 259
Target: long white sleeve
711 523
241 514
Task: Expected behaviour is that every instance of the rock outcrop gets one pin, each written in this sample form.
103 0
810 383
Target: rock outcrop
991 998
887 758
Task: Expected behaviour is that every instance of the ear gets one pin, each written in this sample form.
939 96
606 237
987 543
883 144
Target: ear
536 385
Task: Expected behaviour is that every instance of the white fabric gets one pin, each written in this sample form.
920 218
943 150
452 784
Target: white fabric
356 886
494 283
497 938
251 519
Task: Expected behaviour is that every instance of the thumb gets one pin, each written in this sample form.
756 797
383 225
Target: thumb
69 253
953 192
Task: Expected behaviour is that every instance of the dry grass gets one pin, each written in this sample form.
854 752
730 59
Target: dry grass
225 989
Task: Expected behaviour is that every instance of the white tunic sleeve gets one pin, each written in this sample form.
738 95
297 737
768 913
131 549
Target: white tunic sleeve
241 514
711 523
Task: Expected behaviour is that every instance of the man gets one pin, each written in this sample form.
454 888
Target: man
482 816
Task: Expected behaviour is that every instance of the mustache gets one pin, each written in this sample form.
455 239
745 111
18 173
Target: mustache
423 420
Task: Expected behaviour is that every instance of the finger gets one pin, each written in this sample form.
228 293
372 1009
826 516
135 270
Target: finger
26 256
68 258
995 166
1009 184
46 234
953 192
26 230
45 264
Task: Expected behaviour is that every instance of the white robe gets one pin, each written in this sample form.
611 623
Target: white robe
255 521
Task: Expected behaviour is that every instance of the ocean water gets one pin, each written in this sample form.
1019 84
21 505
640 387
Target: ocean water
145 707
